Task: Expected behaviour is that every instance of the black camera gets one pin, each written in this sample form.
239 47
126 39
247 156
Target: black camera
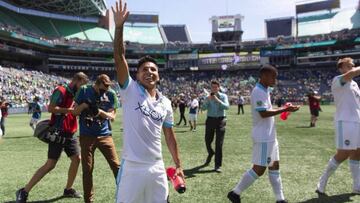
212 93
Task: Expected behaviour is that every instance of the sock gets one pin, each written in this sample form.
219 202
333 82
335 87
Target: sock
330 169
355 173
275 180
248 179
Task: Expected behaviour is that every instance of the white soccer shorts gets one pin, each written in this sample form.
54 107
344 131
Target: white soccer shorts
192 117
34 121
142 183
347 135
265 153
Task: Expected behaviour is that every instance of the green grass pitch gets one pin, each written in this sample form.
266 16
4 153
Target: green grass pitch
304 153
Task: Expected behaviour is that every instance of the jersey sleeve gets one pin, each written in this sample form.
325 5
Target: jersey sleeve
80 96
260 101
169 117
56 97
127 88
196 104
38 107
338 82
114 100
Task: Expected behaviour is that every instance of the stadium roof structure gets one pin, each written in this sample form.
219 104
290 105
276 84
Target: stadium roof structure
66 7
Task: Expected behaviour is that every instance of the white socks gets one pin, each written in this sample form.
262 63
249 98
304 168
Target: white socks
275 180
355 173
330 169
248 179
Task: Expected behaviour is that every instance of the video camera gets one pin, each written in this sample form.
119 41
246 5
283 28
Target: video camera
47 133
92 113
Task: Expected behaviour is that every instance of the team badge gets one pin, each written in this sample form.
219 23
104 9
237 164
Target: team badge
259 103
268 160
347 142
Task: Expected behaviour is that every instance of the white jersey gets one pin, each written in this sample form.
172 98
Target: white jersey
143 119
263 128
347 100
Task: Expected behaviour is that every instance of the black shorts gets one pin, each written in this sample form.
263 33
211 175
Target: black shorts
315 112
71 148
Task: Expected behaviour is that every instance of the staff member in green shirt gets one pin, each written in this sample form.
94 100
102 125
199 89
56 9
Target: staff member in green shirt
215 104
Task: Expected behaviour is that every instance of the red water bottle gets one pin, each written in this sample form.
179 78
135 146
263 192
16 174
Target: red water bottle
177 181
284 115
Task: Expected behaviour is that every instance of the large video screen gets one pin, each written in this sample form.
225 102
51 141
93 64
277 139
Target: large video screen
279 27
226 22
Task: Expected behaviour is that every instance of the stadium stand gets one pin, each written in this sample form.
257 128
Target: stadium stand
66 46
69 29
20 85
45 25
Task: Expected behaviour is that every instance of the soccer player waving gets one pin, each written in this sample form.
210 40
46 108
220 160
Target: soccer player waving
265 147
142 176
347 124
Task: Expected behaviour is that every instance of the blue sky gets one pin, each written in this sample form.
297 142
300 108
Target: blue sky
196 13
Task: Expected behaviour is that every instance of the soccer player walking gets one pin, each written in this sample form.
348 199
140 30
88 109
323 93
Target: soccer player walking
347 124
36 115
142 177
265 145
193 108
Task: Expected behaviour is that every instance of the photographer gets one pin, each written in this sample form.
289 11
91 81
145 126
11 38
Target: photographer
4 106
96 106
61 107
314 105
216 104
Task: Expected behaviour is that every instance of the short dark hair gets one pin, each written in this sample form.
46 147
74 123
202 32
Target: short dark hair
145 59
267 68
215 82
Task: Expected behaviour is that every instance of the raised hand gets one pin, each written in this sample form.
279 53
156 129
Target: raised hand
120 14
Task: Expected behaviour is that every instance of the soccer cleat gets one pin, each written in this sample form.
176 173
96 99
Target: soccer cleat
72 193
21 196
320 193
282 201
233 197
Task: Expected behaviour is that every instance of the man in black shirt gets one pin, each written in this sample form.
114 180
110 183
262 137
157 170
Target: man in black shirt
182 107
